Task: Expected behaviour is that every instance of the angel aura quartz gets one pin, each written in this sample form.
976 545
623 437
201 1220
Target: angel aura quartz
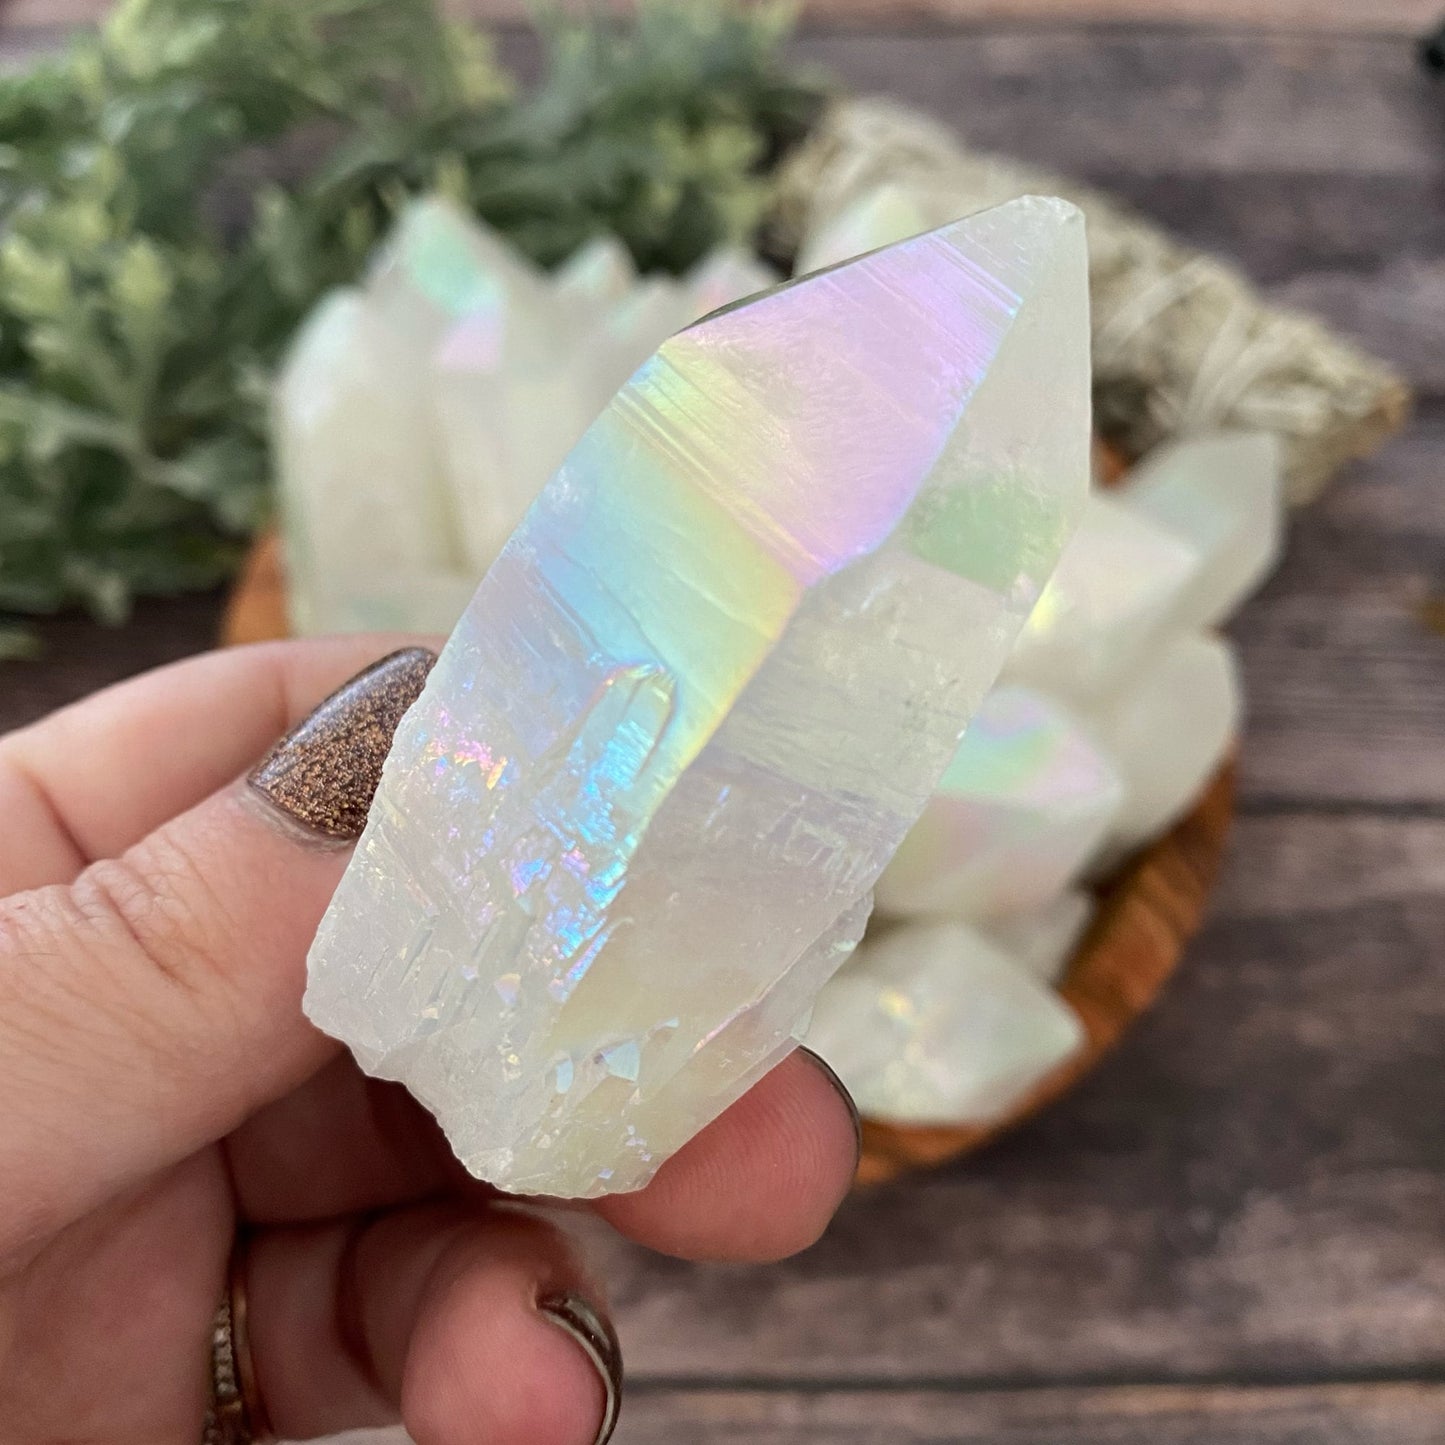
632 825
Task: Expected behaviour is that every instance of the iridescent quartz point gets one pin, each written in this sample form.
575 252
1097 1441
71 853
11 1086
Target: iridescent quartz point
1014 819
1224 495
633 823
1111 600
1042 939
1169 729
932 1023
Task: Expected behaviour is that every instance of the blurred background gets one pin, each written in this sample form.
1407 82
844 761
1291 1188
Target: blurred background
1234 1229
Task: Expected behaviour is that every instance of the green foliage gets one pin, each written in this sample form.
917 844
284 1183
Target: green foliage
177 191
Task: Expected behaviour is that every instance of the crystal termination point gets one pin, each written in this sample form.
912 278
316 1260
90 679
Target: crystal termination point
633 823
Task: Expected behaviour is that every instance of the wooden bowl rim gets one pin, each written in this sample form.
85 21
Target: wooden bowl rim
1147 912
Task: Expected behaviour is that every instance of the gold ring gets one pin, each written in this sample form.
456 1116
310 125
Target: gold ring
234 1412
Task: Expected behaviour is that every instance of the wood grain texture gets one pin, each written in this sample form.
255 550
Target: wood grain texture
1251 1187
1400 1414
1344 675
81 657
1378 16
1372 16
1289 153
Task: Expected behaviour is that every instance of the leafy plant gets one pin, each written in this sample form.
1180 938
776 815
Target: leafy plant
177 191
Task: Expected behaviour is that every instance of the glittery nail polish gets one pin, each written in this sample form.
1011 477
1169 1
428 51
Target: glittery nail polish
594 1333
323 773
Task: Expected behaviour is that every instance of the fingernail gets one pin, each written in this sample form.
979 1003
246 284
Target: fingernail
323 773
593 1332
828 1073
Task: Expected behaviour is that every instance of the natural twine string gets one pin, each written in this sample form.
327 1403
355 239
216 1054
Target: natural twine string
1183 344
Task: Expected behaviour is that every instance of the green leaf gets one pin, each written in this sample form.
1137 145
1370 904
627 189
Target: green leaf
34 284
178 190
18 644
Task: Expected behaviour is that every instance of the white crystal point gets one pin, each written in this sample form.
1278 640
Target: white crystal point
727 276
881 216
353 442
1224 495
933 1024
598 275
419 415
1170 730
1014 819
632 824
1044 939
1108 603
439 266
374 529
510 390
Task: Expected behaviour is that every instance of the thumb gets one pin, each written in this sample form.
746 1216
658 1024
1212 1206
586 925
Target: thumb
151 1005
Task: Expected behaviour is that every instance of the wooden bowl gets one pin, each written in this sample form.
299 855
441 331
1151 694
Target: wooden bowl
1147 912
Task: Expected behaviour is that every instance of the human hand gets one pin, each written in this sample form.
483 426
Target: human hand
162 1092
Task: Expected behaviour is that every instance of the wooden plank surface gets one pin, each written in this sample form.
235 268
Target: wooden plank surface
1252 1188
1399 1414
1289 153
1235 1231
1371 16
1344 668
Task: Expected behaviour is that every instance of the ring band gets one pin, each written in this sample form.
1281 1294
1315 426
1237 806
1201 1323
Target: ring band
234 1412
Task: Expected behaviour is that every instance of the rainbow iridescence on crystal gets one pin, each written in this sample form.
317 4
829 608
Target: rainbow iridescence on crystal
419 412
632 825
932 1023
1019 812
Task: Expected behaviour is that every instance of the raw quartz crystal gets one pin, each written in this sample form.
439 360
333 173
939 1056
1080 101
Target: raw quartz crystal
1170 729
632 825
1017 814
1042 939
1222 495
1113 594
932 1023
419 413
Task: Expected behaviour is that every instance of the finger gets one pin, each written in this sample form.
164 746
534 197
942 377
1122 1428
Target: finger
340 1144
154 1003
94 778
431 1313
759 1183
787 1151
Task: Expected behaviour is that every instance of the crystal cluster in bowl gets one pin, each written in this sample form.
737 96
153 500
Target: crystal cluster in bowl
420 415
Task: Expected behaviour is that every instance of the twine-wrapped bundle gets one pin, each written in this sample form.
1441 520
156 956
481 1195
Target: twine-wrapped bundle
1183 343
